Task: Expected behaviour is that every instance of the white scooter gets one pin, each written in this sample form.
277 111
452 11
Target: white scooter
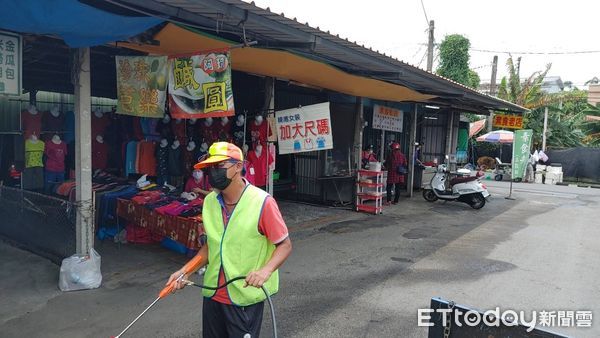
466 189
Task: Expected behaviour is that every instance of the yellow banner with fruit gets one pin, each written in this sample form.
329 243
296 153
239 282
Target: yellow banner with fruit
141 85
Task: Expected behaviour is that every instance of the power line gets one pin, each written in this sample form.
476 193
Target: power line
425 12
535 53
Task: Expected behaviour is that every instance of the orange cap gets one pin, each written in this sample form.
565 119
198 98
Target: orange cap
219 152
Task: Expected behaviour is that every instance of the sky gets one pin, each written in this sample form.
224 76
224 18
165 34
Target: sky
521 27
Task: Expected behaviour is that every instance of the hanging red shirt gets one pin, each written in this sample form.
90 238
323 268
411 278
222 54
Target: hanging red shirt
31 123
99 155
259 164
259 133
55 156
99 124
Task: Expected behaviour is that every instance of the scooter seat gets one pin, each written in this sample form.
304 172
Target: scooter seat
457 180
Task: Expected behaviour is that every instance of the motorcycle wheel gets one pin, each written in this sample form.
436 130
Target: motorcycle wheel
478 201
429 195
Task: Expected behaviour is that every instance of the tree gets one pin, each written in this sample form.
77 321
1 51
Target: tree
566 110
454 61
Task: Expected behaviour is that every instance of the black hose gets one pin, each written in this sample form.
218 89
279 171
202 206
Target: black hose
262 287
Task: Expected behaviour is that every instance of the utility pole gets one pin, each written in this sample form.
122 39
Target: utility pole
490 120
430 47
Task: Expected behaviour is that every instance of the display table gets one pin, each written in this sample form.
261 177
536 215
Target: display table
180 229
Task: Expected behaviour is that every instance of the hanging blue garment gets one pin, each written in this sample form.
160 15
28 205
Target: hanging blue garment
130 157
80 25
69 127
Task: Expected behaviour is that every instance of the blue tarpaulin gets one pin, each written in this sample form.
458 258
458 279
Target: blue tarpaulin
78 24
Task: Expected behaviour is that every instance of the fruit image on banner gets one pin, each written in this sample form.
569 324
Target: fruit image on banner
200 86
141 85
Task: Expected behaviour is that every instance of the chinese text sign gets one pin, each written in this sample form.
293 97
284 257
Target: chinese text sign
521 152
200 86
508 121
10 63
386 118
304 129
141 85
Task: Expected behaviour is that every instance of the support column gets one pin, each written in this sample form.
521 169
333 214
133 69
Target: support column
411 151
83 152
359 124
449 131
270 107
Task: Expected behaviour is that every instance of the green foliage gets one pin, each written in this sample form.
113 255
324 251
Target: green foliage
454 61
566 110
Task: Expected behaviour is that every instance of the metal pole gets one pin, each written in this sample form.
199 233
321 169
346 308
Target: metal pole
382 147
411 152
492 91
83 152
545 129
358 133
271 110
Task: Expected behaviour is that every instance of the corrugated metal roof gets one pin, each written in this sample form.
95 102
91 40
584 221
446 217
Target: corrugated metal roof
263 24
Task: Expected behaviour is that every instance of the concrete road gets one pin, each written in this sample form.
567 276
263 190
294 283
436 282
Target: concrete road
350 274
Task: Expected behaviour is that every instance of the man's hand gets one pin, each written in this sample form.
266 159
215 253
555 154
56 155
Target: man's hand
179 284
258 278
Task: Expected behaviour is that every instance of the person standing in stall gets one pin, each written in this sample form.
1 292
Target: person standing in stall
396 168
368 156
238 217
198 183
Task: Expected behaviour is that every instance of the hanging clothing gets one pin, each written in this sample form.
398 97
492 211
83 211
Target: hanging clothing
164 129
259 163
31 124
146 159
162 163
259 133
223 131
55 156
99 155
34 152
138 134
189 159
69 134
238 134
130 158
51 123
179 130
175 162
99 124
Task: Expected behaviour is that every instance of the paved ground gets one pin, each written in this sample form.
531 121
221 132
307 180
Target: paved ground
350 274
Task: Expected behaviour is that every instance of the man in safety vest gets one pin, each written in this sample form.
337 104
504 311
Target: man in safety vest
246 236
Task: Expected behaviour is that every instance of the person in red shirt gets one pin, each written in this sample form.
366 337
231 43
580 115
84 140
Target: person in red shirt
395 178
197 183
222 318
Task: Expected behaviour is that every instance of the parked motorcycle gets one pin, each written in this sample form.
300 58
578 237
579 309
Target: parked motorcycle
466 189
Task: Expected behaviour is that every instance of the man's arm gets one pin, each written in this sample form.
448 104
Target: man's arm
200 260
259 277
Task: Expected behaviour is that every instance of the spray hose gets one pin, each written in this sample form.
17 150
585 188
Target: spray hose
188 268
271 308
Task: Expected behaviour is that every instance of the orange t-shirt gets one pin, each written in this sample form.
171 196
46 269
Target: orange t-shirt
270 224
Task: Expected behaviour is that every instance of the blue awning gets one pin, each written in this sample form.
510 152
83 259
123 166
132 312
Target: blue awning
78 24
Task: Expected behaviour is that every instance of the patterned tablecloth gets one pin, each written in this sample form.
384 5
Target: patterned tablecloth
180 229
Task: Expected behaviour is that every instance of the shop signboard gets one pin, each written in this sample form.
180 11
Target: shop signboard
200 85
141 85
11 63
304 129
386 118
521 152
508 121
